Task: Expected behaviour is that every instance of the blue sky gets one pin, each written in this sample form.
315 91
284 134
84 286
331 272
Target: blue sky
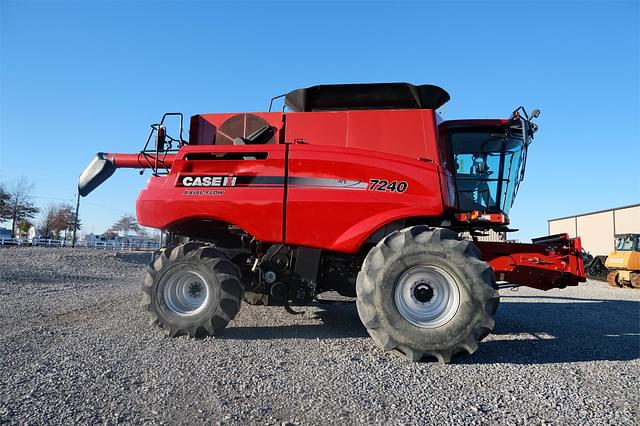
82 77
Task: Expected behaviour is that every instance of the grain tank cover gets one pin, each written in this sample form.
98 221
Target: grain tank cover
337 97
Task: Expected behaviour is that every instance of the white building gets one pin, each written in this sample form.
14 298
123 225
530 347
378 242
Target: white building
597 229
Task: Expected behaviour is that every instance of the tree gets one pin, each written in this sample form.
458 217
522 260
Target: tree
57 218
5 211
20 203
23 227
110 235
126 224
64 220
70 219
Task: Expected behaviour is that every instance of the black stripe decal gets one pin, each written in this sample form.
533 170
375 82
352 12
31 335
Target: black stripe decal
260 180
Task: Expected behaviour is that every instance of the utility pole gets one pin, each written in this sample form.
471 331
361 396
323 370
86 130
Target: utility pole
75 220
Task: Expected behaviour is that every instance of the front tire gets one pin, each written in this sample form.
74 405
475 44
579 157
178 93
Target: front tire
192 289
612 279
635 280
423 292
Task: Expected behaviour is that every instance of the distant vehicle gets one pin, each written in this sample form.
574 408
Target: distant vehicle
594 267
5 234
624 262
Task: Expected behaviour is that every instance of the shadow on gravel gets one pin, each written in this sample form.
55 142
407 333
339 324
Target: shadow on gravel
566 330
137 257
563 331
35 277
338 322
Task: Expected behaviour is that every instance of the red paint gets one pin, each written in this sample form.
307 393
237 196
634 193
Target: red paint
258 210
342 219
323 145
408 133
140 161
340 209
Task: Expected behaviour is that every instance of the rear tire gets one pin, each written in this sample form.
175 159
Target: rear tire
192 289
423 292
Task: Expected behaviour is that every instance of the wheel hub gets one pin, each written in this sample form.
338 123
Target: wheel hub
186 293
427 296
195 290
423 292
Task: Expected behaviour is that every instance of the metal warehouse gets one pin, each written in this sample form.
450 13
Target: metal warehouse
597 229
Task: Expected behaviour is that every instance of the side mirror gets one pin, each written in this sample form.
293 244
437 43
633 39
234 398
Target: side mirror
535 113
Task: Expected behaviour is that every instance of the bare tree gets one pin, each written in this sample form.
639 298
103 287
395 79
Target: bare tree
20 203
47 220
126 224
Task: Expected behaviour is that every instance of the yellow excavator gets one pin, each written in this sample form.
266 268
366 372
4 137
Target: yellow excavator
623 263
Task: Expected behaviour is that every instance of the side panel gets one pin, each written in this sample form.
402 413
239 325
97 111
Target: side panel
407 133
246 192
335 203
623 260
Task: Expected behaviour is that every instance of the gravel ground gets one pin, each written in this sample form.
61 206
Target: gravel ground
75 348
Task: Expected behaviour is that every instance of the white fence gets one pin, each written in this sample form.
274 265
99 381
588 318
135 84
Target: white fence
101 245
116 245
35 242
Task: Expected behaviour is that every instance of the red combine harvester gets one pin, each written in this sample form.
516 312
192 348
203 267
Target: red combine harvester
361 189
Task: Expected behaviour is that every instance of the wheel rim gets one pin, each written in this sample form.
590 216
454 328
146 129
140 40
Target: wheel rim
427 296
186 293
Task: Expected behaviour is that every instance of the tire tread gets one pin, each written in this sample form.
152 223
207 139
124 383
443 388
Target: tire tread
396 242
227 273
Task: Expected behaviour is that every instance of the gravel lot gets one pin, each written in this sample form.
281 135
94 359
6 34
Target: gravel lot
75 348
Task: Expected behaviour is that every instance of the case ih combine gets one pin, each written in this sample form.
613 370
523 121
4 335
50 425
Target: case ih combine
361 189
